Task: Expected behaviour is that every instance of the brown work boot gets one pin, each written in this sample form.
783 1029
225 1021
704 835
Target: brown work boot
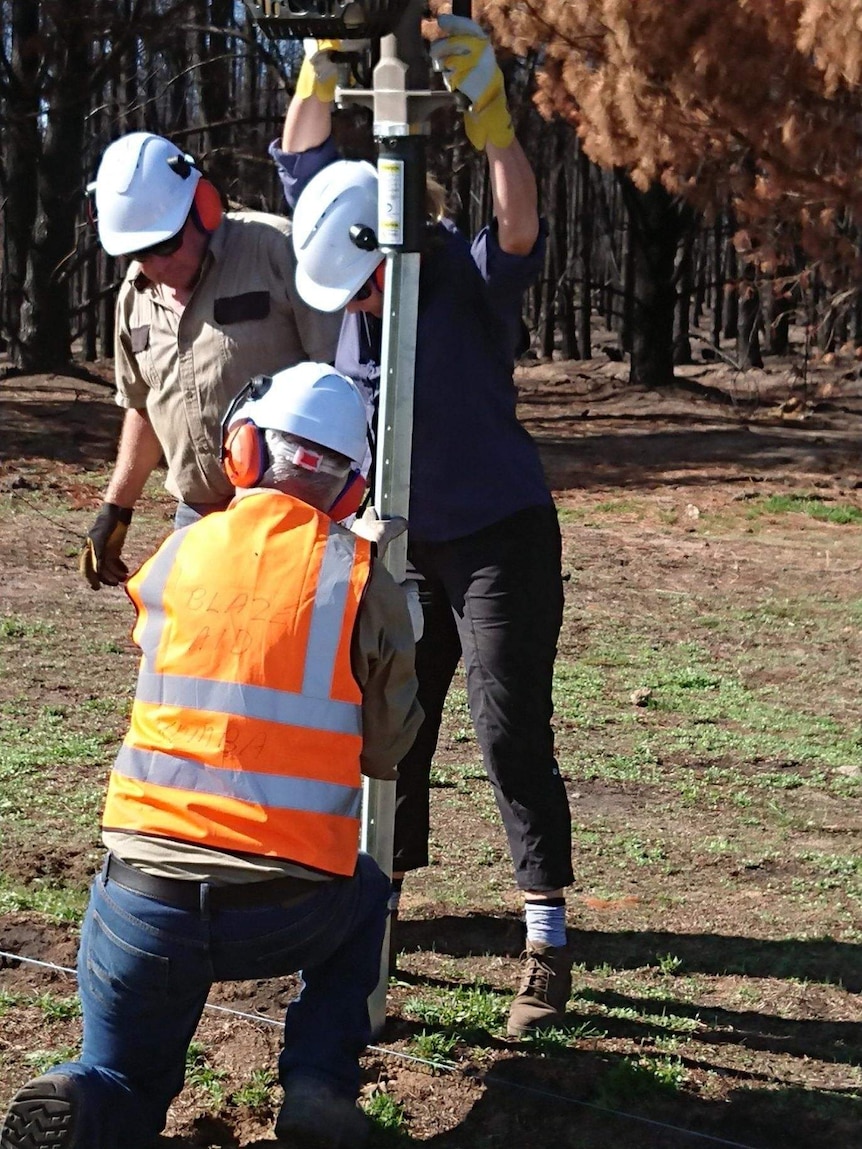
546 983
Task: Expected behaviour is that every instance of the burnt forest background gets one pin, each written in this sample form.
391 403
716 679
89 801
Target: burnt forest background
697 164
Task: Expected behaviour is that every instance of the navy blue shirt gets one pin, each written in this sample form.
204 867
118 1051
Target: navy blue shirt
472 463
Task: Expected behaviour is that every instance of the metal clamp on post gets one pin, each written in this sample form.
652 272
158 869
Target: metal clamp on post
326 19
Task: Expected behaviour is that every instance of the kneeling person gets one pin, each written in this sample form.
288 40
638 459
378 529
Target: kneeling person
276 666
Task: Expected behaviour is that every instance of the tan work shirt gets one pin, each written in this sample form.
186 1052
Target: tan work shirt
244 318
382 659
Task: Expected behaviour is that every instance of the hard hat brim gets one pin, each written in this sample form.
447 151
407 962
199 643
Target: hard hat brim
323 298
126 243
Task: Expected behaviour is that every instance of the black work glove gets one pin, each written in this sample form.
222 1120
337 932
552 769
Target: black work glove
100 561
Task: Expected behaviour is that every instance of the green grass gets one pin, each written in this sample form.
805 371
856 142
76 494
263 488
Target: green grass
35 758
556 1039
456 775
618 507
835 872
673 1023
200 1073
568 515
58 1008
638 1079
669 964
41 1060
456 707
812 505
9 1001
466 1013
386 1112
49 739
14 627
433 1046
59 903
699 707
258 1091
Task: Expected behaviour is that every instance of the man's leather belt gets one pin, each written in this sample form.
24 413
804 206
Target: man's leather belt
188 895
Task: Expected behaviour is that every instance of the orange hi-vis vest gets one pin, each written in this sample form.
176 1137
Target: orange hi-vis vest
246 728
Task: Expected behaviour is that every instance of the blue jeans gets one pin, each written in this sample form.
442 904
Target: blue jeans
188 513
145 969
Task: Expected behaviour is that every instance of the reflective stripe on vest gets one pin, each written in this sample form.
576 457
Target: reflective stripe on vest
311 708
152 592
276 791
249 701
233 763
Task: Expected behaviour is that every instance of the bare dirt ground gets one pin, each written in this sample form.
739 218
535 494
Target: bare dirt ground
716 997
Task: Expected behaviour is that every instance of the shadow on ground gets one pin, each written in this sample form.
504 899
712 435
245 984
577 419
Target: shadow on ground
821 960
75 421
627 458
80 425
582 1100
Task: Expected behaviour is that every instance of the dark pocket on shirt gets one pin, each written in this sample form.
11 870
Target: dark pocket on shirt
139 337
241 308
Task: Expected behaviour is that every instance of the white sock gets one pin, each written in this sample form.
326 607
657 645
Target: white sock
546 922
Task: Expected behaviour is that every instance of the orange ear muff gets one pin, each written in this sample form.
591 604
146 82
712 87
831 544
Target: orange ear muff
378 276
349 498
244 454
207 206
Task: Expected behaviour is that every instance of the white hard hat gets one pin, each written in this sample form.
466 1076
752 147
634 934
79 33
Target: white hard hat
312 401
331 267
144 190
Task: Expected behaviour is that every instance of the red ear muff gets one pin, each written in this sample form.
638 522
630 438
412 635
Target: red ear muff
349 498
207 206
244 454
378 276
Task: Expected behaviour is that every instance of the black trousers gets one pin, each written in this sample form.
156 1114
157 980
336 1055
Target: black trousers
496 598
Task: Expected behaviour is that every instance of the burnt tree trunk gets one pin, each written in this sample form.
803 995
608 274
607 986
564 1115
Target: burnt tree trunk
585 227
655 224
627 304
45 334
684 277
731 292
699 300
748 335
782 305
215 86
565 237
718 299
19 166
546 314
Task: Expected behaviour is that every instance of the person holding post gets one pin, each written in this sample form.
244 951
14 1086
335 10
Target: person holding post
276 667
208 300
484 535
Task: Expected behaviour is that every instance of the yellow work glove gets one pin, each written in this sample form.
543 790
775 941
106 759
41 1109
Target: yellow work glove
465 57
318 75
99 561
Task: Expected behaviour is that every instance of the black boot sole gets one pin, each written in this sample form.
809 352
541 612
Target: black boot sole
40 1117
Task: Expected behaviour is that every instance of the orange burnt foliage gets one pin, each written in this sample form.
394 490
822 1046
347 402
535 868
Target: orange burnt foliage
752 103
